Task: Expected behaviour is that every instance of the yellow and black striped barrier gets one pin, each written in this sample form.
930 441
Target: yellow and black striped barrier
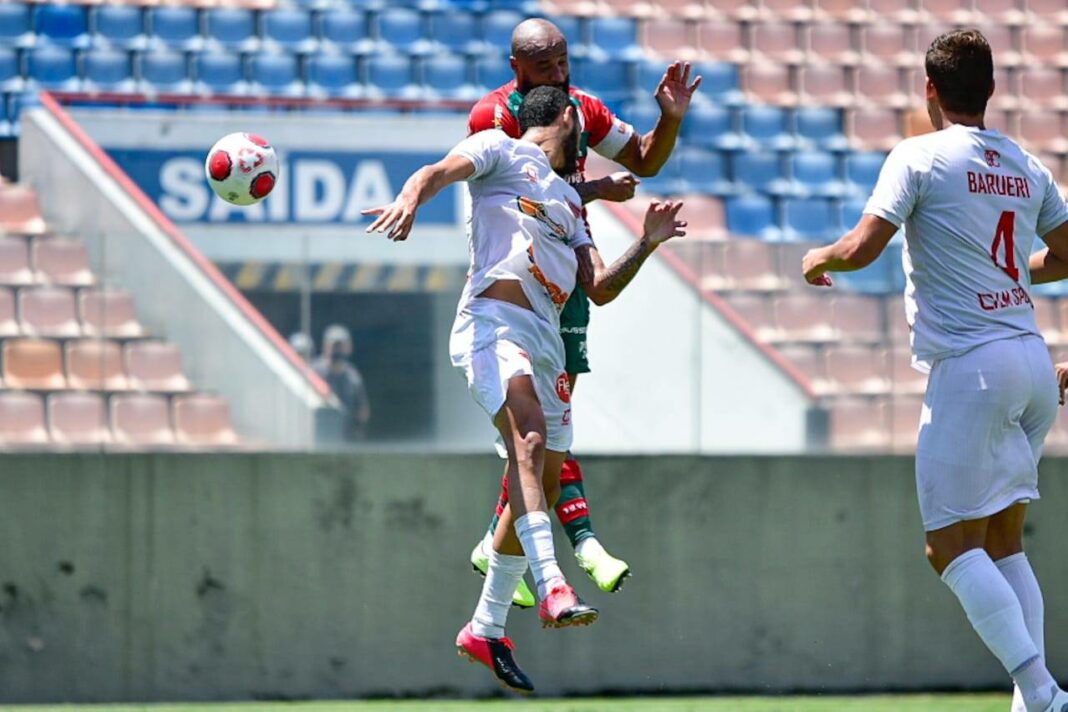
342 277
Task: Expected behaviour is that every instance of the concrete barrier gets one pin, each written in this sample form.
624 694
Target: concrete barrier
166 577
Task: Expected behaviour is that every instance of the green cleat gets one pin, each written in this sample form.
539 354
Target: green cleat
522 598
607 571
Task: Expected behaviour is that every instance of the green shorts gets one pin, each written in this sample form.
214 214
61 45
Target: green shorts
573 322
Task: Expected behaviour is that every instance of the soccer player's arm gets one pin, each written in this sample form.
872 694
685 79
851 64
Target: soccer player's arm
1051 264
603 283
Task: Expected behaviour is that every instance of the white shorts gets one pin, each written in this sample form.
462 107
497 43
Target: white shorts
494 341
984 421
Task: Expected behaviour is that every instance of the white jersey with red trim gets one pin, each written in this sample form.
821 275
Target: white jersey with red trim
525 223
972 203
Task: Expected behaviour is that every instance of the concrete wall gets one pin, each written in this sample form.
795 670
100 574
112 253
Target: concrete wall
147 577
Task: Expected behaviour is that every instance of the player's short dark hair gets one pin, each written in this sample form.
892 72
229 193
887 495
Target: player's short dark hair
961 67
541 107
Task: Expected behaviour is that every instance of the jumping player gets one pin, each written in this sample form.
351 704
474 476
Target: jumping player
972 202
539 58
527 240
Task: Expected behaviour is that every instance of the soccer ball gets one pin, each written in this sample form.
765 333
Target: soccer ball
242 168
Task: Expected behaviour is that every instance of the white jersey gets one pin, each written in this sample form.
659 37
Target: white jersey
525 222
972 202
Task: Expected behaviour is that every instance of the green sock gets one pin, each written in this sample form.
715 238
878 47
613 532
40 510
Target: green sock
572 509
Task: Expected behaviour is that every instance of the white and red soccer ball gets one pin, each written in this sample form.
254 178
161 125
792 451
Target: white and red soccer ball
242 168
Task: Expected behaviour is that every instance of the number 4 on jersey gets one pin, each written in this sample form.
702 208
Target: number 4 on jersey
1004 233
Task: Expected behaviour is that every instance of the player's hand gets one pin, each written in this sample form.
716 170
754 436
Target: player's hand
396 218
1062 378
675 91
812 266
662 222
618 187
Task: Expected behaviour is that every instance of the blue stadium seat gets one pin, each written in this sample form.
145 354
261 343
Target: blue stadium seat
389 76
862 171
334 75
175 27
108 70
457 32
767 127
719 82
7 126
712 126
492 71
15 26
66 25
820 127
752 216
572 27
401 29
642 115
219 73
607 79
614 38
289 28
649 73
119 26
852 210
816 174
346 30
883 276
810 220
52 68
10 77
232 28
446 76
497 29
760 171
704 171
669 181
165 72
276 74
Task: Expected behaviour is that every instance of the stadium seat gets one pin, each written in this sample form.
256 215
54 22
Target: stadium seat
175 27
756 312
141 419
346 30
614 38
704 171
15 269
573 28
232 28
62 261
752 215
875 129
155 366
957 12
768 127
457 31
33 364
1002 44
78 419
904 379
769 83
446 77
880 85
110 313
276 74
832 42
108 70
95 365
719 82
643 115
777 42
22 420
669 181
810 360
749 265
66 25
790 10
722 41
165 72
15 26
671 37
860 424
1003 12
815 173
219 73
288 29
826 85
1044 46
20 212
706 217
9 324
605 78
333 75
121 26
883 276
810 220
497 26
1043 131
760 171
821 127
805 317
390 76
710 126
1042 87
858 370
858 318
862 172
48 311
10 75
649 72
401 30
887 44
491 72
52 68
203 420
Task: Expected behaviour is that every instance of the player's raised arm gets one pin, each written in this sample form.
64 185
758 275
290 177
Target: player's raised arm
857 249
397 217
603 284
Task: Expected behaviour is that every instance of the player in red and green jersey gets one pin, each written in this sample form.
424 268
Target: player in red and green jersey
539 58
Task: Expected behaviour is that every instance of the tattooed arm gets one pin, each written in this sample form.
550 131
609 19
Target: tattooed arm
603 284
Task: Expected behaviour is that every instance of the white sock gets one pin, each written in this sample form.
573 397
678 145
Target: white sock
487 543
502 577
995 613
1017 571
535 533
589 547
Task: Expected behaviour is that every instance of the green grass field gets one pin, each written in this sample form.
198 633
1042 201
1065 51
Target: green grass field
908 703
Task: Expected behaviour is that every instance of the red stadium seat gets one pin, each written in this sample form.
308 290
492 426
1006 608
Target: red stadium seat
204 421
958 12
805 317
1044 46
78 419
706 217
752 265
905 379
1047 12
692 9
22 419
875 129
888 44
790 10
9 324
736 10
769 83
62 261
1002 12
33 364
1002 44
858 369
141 419
827 85
896 11
48 311
858 319
1042 87
777 42
673 38
107 312
155 366
859 424
926 33
848 11
723 41
20 213
1043 131
15 267
880 85
812 362
756 311
95 365
897 327
1003 121
832 42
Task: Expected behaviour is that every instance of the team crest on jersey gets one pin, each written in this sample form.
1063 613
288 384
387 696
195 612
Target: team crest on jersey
993 158
563 388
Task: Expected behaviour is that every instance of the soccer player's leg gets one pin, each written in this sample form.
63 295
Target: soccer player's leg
480 555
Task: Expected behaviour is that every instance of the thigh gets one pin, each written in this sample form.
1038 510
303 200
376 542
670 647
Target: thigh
520 416
1004 534
946 544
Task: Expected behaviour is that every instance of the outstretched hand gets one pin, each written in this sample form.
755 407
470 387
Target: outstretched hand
396 219
675 91
662 223
812 266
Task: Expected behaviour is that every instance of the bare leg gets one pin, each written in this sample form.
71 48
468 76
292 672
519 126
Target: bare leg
505 540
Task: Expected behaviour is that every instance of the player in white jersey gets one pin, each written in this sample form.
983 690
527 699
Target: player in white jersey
528 240
972 203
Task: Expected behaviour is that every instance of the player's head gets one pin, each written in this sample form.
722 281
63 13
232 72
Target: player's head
539 56
547 113
337 342
960 75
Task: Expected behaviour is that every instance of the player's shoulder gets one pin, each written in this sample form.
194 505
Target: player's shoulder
492 111
589 102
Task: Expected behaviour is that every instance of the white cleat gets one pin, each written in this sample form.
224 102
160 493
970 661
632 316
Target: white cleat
1060 702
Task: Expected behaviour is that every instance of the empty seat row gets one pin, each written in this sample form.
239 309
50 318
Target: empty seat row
20 211
63 312
92 364
813 318
874 423
857 369
47 260
132 420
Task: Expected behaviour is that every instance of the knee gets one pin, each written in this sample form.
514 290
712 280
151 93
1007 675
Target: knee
530 448
939 558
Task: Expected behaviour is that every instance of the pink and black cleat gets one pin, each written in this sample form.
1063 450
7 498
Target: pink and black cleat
496 654
562 608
